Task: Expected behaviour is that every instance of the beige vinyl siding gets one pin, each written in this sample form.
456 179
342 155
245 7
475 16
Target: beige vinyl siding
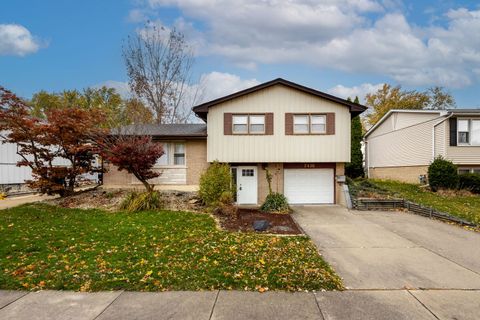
462 154
278 147
400 120
411 146
407 119
384 127
441 139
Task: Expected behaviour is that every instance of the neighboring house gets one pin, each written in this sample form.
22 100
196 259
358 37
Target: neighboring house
403 143
13 178
301 135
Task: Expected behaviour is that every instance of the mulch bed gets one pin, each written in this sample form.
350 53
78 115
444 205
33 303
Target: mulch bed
278 223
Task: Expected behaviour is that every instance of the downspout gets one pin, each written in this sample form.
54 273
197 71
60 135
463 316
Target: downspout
450 114
367 158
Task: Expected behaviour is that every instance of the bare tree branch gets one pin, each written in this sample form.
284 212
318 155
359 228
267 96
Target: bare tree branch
159 64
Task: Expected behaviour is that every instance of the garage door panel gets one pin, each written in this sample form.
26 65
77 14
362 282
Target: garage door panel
309 186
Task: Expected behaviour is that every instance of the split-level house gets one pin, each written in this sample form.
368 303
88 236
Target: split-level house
301 135
403 143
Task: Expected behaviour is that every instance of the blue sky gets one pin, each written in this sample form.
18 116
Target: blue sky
345 47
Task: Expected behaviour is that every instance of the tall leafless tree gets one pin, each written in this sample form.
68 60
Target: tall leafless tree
159 64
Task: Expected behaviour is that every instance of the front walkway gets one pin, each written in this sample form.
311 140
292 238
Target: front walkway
396 304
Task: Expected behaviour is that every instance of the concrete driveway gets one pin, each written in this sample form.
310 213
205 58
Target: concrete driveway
393 250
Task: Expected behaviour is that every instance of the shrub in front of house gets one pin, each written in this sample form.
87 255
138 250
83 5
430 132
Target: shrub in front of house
442 173
470 181
226 206
214 182
275 202
143 201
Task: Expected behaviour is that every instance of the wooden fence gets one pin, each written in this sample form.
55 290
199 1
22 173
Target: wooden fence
389 204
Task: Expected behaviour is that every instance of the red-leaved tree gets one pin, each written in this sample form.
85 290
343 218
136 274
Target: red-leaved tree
137 154
58 149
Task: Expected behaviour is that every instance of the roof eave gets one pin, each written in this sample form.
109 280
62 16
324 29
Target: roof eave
202 109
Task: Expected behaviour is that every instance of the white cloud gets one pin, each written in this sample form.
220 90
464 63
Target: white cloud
356 91
339 34
17 40
210 86
217 84
137 15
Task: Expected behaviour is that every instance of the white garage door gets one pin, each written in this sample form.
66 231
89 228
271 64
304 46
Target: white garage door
309 186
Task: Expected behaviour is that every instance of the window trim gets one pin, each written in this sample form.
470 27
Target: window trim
469 143
309 124
249 132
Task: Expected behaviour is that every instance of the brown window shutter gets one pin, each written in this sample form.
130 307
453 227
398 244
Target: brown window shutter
269 124
331 123
288 123
453 131
227 124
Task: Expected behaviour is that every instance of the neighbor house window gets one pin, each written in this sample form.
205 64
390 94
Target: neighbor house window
248 124
468 170
463 131
468 132
179 154
309 124
174 154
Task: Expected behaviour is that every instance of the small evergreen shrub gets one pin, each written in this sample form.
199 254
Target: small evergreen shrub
470 181
275 202
144 201
214 182
442 174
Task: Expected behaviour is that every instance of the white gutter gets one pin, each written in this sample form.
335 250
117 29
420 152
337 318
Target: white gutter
449 114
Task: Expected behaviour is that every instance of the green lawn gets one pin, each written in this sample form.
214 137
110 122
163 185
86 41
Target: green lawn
46 247
466 207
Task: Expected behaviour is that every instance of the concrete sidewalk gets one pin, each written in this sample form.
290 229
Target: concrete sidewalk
358 304
16 201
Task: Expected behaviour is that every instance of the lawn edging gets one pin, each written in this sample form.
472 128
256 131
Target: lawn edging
385 204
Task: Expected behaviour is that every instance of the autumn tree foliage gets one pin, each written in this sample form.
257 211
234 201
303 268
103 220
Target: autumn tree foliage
57 148
389 97
136 154
117 111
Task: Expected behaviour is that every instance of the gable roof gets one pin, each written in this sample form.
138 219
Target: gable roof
202 109
165 131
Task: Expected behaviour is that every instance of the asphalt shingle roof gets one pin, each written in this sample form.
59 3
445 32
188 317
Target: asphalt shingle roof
165 130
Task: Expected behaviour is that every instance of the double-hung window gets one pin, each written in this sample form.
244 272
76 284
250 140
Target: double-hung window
179 154
240 124
318 124
468 132
309 124
174 154
301 123
257 124
248 124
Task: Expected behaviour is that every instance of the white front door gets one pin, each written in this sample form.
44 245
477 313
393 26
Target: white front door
247 185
